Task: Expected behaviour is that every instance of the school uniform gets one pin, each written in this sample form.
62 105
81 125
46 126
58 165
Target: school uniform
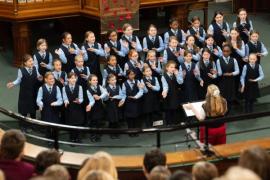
74 112
195 55
132 109
67 58
150 42
119 54
129 40
131 65
216 30
251 90
241 27
92 58
214 56
190 85
169 55
171 84
256 47
43 57
117 71
151 103
203 68
58 76
157 71
227 83
80 80
179 34
198 41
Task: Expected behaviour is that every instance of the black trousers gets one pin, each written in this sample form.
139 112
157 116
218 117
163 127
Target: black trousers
170 116
249 104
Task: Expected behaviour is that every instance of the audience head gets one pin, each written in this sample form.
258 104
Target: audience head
236 173
181 175
257 160
159 173
45 159
204 171
97 175
151 159
12 145
57 172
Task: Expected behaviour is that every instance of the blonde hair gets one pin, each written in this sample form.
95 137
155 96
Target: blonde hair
150 52
215 104
78 56
99 161
41 41
236 172
204 170
97 175
57 172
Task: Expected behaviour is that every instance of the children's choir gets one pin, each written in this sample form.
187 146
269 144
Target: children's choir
137 80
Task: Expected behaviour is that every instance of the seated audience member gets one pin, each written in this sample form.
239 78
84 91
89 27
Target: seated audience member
99 161
2 176
159 173
45 159
239 173
11 153
181 175
151 159
257 160
97 175
204 170
57 172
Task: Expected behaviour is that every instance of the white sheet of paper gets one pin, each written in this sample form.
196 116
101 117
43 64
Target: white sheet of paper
197 105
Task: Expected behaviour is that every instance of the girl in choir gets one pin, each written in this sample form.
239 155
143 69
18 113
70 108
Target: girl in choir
174 31
114 103
215 50
73 97
252 73
133 91
190 84
256 46
172 52
206 72
129 40
151 97
243 24
49 100
59 75
113 68
82 72
28 79
154 64
171 80
152 41
197 31
191 47
134 64
219 28
43 58
96 95
67 52
92 52
115 48
227 68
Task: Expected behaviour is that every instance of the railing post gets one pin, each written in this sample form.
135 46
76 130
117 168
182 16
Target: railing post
56 138
158 139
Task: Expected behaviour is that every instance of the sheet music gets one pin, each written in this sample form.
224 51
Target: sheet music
197 105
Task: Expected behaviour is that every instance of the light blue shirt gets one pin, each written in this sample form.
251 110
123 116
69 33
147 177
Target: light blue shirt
264 51
19 76
49 65
139 93
138 45
59 100
201 38
81 69
211 29
244 73
154 88
62 55
250 22
105 73
195 57
126 67
206 62
167 37
121 53
99 51
161 44
91 99
158 67
242 50
165 57
57 76
179 79
120 95
236 67
80 94
211 48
